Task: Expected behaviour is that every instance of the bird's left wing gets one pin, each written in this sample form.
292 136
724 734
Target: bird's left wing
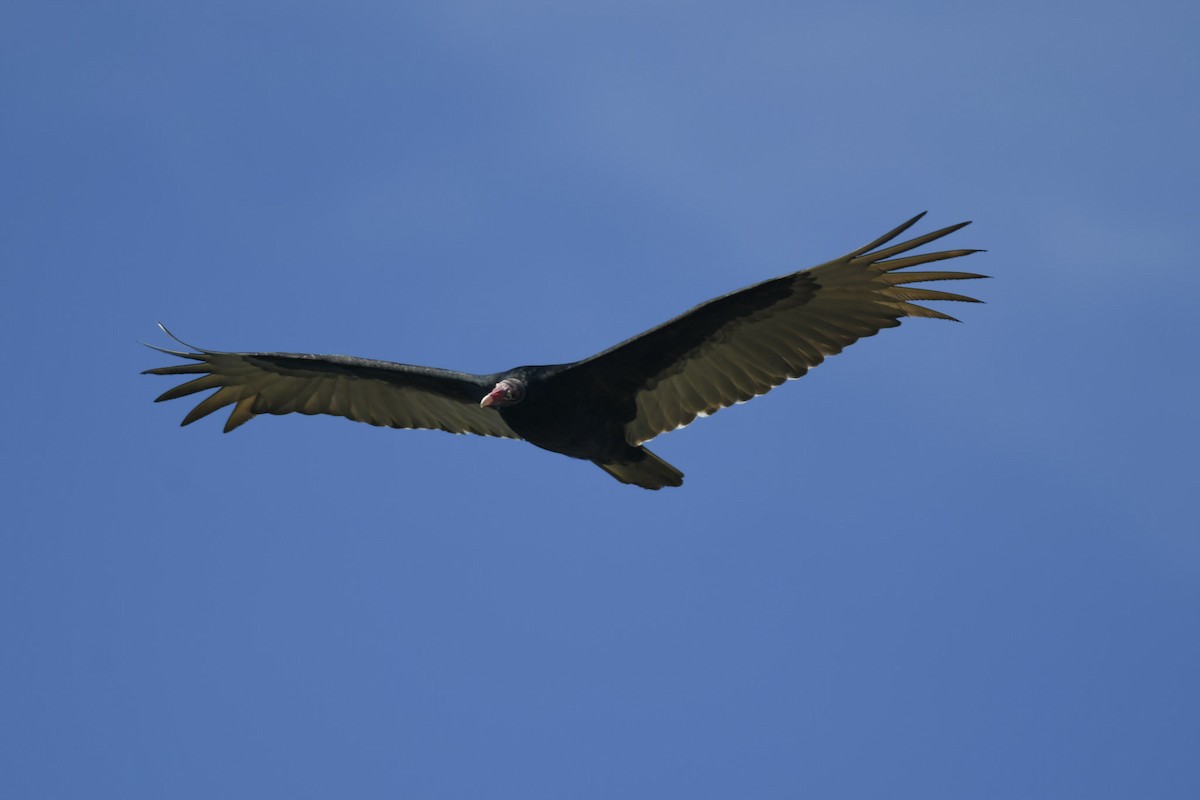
743 344
376 392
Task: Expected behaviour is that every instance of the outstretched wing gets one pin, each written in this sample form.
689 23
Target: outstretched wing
376 392
743 344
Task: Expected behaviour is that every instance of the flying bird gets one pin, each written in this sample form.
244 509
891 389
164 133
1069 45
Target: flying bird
604 407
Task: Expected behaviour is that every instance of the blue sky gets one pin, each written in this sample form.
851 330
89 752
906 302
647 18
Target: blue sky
954 561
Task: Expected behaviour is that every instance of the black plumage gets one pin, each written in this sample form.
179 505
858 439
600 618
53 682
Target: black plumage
605 407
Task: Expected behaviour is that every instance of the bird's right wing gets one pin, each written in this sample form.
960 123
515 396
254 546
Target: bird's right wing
742 344
376 392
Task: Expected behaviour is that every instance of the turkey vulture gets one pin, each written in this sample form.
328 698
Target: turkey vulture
604 407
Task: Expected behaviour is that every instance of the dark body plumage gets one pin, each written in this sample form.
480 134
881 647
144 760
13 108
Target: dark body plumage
602 408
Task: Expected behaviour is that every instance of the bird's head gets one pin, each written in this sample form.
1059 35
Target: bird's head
507 392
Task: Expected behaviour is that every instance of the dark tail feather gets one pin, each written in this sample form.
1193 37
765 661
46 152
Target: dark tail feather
651 472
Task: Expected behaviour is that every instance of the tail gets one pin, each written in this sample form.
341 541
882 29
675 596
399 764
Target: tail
649 471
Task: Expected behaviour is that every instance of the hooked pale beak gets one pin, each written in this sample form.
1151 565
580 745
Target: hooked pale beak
494 397
505 393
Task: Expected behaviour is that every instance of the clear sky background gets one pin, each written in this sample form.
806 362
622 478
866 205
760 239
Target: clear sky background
956 561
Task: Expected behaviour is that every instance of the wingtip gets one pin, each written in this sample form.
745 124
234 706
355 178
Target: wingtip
167 331
909 223
196 350
887 237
